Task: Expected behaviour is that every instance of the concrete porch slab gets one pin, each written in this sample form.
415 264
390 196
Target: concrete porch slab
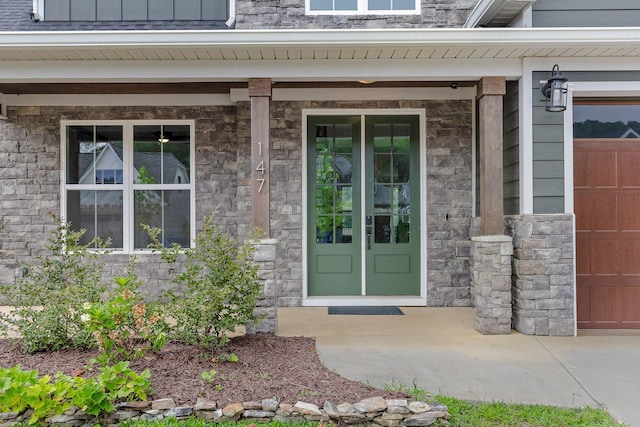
440 350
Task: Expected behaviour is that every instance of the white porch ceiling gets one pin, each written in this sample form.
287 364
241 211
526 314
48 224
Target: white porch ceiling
321 45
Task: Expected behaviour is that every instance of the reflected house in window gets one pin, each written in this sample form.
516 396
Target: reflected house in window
148 168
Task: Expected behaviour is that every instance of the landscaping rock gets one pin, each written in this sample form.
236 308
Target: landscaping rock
371 405
419 407
307 409
270 405
397 414
179 412
252 405
163 404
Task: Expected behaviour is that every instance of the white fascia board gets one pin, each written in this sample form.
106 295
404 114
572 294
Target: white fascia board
403 37
238 70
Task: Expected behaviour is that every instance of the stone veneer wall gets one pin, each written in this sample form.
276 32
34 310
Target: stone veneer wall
543 274
30 179
291 14
30 182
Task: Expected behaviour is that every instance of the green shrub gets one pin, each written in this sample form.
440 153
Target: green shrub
217 287
48 301
122 325
23 390
122 383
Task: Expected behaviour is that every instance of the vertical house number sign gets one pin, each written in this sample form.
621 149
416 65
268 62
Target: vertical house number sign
260 168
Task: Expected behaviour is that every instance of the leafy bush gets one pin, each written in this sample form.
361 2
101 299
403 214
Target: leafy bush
49 299
122 326
23 390
217 287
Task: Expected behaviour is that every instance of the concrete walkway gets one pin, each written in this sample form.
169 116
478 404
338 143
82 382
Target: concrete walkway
439 350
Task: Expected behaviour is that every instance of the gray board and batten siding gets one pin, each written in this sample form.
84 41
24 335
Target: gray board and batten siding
135 10
586 13
511 149
548 140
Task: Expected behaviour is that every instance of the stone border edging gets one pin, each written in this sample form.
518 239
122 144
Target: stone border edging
376 410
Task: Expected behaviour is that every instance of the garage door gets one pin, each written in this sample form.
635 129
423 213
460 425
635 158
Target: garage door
607 208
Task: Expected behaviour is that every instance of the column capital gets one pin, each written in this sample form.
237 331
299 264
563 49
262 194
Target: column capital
492 86
259 87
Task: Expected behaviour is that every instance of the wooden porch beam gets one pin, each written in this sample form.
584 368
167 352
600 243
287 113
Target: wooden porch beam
260 95
491 91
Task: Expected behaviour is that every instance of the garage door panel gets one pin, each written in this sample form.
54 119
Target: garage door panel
629 212
582 174
629 169
583 255
583 295
630 253
603 169
629 312
596 211
604 256
606 309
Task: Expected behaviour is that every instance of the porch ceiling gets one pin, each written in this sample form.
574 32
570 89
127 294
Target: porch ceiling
296 45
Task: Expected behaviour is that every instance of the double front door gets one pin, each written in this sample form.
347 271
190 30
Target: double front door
363 205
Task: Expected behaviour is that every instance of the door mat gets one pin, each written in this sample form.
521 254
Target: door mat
367 311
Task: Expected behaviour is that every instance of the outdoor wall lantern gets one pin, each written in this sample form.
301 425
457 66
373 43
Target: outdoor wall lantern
555 91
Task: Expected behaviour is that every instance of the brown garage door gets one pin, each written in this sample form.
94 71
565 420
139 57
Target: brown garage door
607 207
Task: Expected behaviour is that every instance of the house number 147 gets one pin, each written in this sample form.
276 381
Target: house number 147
260 168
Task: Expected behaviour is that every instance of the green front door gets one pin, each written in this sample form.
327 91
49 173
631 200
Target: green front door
363 225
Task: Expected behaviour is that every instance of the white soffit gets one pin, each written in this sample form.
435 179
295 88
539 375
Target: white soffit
295 45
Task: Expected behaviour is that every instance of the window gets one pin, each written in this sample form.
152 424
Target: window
353 7
118 176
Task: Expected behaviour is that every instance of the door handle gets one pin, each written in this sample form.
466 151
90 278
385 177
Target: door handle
369 222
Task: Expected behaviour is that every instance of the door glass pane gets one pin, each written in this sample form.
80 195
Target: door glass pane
382 138
382 230
334 174
382 198
402 228
324 229
382 168
401 168
392 182
344 229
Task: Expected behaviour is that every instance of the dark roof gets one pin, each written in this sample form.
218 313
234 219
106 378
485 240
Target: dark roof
15 15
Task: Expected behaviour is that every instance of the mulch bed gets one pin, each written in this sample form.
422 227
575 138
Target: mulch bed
285 368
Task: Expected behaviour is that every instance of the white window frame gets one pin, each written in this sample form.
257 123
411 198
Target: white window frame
362 10
128 187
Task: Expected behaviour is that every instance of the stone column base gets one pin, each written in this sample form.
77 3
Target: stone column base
491 283
266 307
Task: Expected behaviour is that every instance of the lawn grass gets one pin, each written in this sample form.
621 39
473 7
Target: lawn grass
494 414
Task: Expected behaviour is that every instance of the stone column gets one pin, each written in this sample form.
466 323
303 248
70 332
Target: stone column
491 283
266 307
